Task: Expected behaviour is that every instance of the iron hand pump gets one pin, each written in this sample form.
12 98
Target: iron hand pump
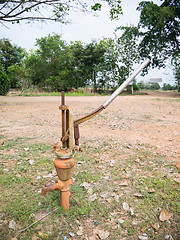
64 161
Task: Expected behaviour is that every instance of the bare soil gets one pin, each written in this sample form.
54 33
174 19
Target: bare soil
150 119
150 122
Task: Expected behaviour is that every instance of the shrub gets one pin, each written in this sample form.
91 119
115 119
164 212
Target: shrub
4 84
136 87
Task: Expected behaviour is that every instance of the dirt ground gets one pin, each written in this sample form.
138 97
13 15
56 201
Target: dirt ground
150 119
113 144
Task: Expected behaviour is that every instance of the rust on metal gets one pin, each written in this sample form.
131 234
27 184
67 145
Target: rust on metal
76 134
62 107
58 185
88 116
83 119
64 187
64 163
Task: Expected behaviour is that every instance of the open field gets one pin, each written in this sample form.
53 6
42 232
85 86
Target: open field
130 153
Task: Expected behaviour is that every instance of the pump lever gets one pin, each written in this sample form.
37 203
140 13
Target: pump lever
108 101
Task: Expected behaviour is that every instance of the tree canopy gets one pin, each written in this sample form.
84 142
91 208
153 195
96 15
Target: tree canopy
55 10
10 54
160 30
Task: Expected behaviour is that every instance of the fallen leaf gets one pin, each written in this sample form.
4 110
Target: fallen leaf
26 149
125 183
137 160
94 238
31 162
93 197
139 195
142 238
131 211
43 235
71 234
12 225
103 234
164 215
151 190
80 231
85 185
156 226
90 191
116 198
125 206
177 180
120 221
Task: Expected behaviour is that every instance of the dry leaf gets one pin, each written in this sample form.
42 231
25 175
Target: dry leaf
156 226
164 215
139 195
43 235
103 234
125 206
125 183
93 197
151 190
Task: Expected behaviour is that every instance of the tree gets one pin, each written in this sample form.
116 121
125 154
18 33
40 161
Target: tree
108 69
10 54
46 64
161 30
167 86
128 49
176 65
4 83
80 73
54 10
94 57
94 63
52 65
16 75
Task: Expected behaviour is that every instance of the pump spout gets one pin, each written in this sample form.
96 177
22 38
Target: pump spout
58 185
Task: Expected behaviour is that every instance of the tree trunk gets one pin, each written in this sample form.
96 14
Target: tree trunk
94 81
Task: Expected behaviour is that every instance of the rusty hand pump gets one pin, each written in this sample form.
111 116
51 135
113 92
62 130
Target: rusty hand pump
64 161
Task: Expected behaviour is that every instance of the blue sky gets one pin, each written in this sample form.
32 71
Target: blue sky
84 27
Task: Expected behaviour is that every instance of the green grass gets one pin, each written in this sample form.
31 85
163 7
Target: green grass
143 168
39 94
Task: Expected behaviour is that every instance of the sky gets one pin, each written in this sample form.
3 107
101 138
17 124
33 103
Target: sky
83 27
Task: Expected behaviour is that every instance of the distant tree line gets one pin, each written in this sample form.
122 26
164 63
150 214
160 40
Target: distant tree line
56 65
155 86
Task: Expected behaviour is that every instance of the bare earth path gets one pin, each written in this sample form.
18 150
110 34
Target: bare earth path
151 119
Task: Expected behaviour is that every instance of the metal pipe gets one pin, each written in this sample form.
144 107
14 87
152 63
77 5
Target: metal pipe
58 185
63 116
125 84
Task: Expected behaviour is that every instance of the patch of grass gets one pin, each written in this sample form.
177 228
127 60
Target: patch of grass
147 116
175 100
45 94
142 167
